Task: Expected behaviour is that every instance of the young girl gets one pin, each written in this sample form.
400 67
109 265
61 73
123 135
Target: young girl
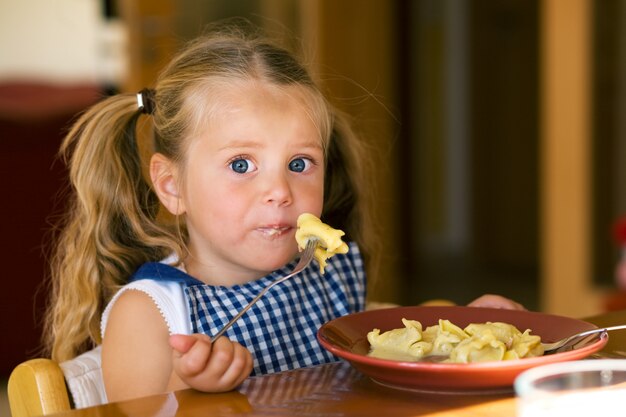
244 142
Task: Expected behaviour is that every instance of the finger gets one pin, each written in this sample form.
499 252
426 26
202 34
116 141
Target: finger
181 343
221 357
239 369
184 342
247 368
211 377
195 360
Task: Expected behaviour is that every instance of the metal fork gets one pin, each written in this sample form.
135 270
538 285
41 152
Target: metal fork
305 260
552 347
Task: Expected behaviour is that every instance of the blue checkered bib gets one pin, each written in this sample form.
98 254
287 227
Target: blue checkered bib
280 329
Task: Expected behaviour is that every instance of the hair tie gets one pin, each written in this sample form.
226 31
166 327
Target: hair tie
145 101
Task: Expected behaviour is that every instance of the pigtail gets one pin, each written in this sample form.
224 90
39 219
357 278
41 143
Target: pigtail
111 227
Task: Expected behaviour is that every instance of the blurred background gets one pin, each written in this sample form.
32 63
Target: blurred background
495 126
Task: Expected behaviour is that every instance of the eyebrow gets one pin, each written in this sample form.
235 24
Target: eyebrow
254 144
240 144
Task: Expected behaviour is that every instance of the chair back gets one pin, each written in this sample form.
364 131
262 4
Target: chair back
36 388
41 386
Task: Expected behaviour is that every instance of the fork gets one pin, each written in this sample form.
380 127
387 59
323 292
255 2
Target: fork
305 260
552 347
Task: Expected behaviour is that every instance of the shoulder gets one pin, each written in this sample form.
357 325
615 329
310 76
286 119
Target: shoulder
166 297
130 306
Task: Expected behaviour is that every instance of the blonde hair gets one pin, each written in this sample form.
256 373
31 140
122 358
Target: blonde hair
113 224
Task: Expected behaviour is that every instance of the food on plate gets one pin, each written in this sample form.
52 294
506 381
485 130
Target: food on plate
330 243
446 342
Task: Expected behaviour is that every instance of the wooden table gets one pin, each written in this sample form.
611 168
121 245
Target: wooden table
330 390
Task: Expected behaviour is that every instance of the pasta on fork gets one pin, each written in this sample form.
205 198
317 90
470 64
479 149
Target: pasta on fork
330 243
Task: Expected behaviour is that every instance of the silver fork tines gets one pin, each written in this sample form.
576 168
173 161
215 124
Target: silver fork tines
305 259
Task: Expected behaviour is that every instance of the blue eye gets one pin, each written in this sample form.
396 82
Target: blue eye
240 165
298 165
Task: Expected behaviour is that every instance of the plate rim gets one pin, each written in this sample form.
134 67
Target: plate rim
508 365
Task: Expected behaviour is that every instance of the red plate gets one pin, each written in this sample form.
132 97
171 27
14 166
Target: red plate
346 337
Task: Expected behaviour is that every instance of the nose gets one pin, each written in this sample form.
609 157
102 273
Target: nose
277 190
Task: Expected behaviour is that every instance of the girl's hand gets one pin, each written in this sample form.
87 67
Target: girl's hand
496 301
207 366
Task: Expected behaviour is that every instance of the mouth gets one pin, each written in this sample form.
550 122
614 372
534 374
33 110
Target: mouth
274 231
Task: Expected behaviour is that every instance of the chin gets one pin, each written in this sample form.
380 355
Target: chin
272 264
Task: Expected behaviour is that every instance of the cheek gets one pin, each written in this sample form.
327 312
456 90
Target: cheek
230 201
231 208
312 198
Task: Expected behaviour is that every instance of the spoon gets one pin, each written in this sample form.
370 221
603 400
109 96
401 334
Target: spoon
568 341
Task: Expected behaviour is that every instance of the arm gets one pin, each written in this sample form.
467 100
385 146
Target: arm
135 339
138 360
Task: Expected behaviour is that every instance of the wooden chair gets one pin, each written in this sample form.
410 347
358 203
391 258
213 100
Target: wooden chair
41 386
37 387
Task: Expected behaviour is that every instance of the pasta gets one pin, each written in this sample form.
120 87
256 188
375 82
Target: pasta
478 342
330 243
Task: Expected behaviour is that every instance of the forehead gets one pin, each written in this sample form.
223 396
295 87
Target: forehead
229 96
256 95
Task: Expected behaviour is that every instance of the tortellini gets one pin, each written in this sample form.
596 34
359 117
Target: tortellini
446 342
330 243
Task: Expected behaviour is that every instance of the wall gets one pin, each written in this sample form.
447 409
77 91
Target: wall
51 67
61 41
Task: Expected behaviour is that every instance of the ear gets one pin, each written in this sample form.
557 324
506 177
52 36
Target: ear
164 176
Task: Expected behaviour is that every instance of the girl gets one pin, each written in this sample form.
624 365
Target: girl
244 142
